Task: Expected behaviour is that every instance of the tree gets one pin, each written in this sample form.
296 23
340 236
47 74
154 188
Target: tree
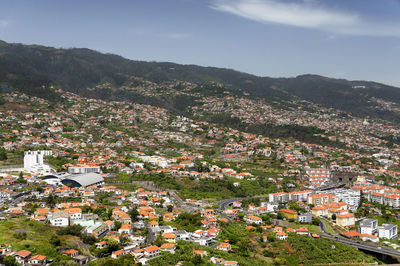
86 209
20 235
159 241
334 217
74 230
51 200
243 245
54 240
266 219
271 237
117 225
112 245
3 154
295 207
133 214
88 239
9 261
197 260
188 221
21 179
316 221
268 253
66 262
170 208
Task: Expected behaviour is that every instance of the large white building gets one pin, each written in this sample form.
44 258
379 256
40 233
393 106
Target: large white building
279 197
349 196
33 162
388 231
77 180
368 226
60 219
156 160
300 195
84 169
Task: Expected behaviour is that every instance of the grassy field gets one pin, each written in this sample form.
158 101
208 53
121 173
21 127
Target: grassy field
389 220
37 240
206 189
328 227
263 168
312 228
128 187
312 251
13 159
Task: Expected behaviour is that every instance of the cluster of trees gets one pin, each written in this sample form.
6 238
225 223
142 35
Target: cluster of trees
127 260
313 251
20 235
212 89
184 254
207 187
76 230
3 154
237 237
308 134
58 162
187 221
8 261
112 246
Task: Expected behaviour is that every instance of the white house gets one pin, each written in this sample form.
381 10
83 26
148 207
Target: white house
182 235
170 247
271 207
368 226
151 252
203 241
74 213
60 219
367 237
388 231
253 219
281 236
37 260
279 197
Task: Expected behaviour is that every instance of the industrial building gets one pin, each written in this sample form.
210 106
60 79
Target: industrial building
79 180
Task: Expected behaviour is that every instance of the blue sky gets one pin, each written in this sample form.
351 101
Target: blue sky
353 39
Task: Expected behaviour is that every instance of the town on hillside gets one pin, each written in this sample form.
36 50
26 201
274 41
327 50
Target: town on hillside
94 182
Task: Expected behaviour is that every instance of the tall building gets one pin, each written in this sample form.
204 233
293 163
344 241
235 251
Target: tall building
368 226
387 231
33 161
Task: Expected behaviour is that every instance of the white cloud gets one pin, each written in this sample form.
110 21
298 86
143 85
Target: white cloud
308 14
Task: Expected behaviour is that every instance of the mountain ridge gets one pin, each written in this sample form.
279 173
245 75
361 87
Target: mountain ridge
30 67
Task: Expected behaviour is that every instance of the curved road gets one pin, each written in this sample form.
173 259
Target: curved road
364 246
